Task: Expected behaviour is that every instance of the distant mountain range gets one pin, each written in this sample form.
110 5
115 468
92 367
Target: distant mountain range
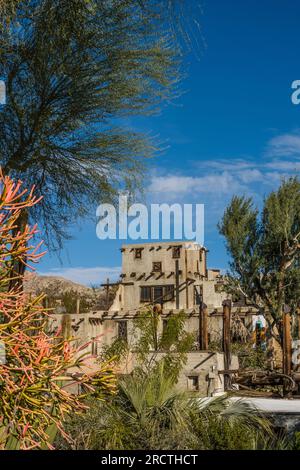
55 285
56 288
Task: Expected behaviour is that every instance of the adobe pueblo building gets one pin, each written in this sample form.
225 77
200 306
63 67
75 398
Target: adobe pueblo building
174 277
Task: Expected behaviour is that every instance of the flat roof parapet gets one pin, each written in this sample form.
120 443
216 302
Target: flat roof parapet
161 244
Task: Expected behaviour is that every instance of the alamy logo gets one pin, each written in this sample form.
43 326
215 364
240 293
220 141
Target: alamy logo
162 221
2 92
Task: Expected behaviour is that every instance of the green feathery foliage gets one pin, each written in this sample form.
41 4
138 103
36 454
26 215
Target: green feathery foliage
148 413
74 70
265 251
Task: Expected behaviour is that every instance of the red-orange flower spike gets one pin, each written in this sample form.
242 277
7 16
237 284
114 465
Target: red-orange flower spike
34 377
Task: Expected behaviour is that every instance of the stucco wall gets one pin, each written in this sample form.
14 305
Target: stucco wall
192 266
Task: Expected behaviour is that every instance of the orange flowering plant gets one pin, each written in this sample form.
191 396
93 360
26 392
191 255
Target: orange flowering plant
35 368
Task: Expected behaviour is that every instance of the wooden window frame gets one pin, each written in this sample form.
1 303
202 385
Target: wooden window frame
158 265
123 334
169 293
176 252
138 253
146 298
166 289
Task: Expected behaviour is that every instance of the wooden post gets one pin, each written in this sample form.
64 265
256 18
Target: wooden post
287 341
200 326
107 286
186 279
177 283
205 328
226 341
203 334
107 293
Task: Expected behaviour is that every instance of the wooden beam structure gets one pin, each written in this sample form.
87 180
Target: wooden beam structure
227 341
177 283
203 332
107 285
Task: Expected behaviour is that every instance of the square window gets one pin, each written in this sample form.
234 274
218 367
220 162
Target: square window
138 253
176 252
156 267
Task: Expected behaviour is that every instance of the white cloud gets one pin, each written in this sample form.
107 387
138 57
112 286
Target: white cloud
284 145
176 185
232 164
250 175
171 184
87 276
214 182
286 165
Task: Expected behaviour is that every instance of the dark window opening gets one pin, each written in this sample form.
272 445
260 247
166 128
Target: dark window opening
138 253
156 266
157 294
193 383
176 252
146 294
122 330
169 293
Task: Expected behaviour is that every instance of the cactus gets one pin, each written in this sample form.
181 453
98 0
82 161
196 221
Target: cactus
38 368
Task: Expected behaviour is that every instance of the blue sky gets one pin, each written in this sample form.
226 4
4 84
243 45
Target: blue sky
233 131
